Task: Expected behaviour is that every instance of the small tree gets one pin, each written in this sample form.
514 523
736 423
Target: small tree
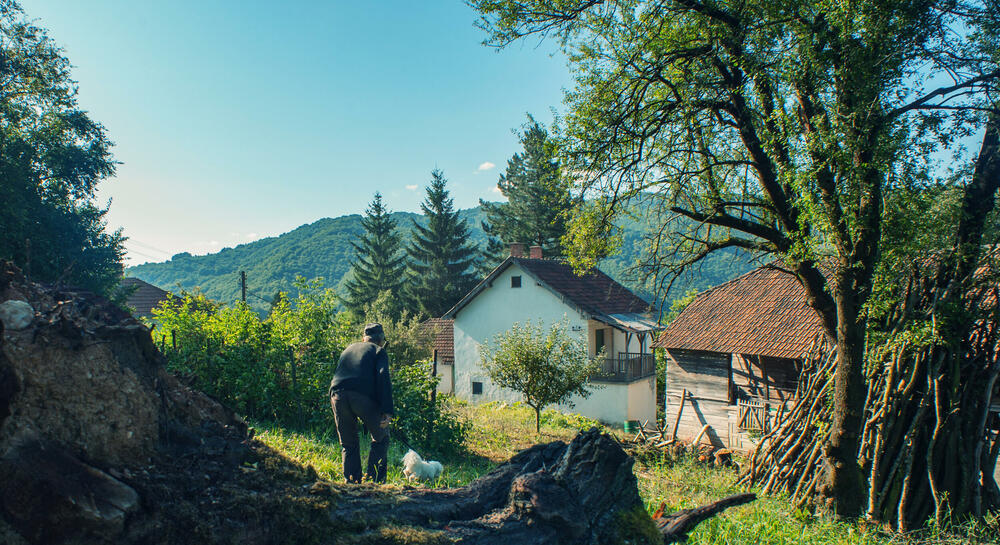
545 367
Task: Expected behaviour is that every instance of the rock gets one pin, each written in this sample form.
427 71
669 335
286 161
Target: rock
16 315
50 496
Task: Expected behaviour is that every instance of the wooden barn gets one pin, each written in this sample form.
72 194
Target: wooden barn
733 357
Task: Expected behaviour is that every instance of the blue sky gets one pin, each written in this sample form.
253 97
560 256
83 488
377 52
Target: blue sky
237 120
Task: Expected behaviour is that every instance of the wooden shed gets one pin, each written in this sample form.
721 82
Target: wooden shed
733 356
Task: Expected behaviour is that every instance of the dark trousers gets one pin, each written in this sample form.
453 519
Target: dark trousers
348 407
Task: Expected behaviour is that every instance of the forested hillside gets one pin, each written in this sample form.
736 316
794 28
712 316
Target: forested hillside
323 249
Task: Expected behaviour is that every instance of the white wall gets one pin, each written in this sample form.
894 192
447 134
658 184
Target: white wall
493 311
497 308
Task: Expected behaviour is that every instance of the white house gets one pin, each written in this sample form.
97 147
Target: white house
545 291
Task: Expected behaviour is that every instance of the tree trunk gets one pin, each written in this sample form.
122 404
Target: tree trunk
843 490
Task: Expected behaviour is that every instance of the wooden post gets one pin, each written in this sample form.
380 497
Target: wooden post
434 373
173 337
677 421
295 387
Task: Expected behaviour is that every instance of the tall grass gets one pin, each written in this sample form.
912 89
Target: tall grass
497 431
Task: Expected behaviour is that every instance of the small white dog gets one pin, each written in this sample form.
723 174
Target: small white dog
414 467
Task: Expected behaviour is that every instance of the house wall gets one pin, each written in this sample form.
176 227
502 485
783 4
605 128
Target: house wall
496 309
445 373
493 311
614 403
705 375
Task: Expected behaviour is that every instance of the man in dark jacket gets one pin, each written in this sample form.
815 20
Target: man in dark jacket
361 389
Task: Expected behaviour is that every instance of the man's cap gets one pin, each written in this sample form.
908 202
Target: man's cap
374 331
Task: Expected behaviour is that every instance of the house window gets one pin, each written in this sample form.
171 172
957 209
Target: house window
477 388
598 341
515 281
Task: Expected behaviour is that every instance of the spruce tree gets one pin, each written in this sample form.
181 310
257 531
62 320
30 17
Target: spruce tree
442 258
379 263
539 201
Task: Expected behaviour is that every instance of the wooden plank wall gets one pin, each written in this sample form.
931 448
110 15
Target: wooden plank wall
705 375
765 377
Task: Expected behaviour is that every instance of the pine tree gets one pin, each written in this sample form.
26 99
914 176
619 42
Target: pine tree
379 264
442 259
538 198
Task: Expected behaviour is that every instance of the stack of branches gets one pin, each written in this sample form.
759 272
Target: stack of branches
929 445
786 459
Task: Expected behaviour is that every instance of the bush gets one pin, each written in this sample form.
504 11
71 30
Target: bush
424 422
278 369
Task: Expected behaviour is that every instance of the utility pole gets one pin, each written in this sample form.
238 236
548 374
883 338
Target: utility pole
243 286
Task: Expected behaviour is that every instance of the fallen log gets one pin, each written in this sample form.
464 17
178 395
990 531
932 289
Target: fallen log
675 526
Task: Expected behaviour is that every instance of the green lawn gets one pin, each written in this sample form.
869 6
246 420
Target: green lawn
498 431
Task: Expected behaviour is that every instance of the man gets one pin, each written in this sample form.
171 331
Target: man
361 389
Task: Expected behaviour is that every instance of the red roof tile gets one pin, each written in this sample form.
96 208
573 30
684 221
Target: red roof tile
444 338
763 313
594 292
145 297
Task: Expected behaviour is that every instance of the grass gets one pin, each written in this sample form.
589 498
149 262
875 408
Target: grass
499 430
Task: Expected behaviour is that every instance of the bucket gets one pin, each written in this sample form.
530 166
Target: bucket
631 426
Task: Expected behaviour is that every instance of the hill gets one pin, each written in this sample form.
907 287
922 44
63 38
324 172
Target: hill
323 249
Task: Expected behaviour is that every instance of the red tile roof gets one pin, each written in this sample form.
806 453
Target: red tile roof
763 313
594 292
145 297
443 340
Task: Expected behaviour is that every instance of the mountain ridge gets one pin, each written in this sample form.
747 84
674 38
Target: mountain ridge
323 249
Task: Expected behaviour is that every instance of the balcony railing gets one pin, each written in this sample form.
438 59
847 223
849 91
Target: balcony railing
627 367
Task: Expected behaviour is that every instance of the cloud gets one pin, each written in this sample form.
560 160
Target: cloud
486 166
252 236
412 187
496 189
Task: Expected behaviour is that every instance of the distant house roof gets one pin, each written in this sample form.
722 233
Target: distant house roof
443 340
762 313
595 293
145 297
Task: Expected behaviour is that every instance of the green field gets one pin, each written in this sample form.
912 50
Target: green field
498 431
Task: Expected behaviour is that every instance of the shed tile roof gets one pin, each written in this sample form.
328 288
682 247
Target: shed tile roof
443 340
145 297
594 292
762 313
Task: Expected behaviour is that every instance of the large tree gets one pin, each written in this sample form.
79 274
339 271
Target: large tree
379 261
539 202
776 127
442 258
52 156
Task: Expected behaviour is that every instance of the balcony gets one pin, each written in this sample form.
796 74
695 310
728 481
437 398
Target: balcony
627 367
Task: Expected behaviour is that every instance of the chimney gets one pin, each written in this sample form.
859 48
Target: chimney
536 252
516 249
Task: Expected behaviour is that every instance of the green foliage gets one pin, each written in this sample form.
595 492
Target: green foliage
426 425
544 366
442 255
379 262
539 202
52 156
279 368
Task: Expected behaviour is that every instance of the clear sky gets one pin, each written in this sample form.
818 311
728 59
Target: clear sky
235 120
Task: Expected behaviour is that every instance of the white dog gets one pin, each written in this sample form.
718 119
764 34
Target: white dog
414 467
